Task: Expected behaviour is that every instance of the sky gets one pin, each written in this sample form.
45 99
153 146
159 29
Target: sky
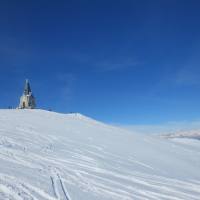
124 62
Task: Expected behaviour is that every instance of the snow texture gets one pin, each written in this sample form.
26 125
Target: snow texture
51 156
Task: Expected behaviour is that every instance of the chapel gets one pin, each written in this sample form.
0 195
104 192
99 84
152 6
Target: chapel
27 100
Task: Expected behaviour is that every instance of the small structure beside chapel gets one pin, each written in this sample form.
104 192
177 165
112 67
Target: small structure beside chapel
27 100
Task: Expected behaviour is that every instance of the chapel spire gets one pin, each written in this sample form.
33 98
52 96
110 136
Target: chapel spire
27 87
27 100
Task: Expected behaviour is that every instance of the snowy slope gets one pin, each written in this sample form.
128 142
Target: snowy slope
51 156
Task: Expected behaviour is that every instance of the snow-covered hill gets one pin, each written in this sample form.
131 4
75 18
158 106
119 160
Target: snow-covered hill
51 156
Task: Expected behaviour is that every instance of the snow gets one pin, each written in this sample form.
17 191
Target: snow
52 156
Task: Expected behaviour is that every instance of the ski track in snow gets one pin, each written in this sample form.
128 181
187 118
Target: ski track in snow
50 156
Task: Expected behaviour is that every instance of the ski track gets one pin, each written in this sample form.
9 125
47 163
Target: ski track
66 195
54 187
50 167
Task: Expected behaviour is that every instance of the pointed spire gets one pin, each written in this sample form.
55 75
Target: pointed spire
27 88
27 100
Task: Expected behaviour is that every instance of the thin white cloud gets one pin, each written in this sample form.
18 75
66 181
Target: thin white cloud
116 65
14 52
188 76
105 63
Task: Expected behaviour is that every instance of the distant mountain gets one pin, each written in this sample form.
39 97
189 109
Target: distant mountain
192 134
52 156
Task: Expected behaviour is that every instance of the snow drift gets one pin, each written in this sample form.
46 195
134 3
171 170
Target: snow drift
51 156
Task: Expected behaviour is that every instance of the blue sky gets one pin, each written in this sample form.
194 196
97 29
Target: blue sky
123 62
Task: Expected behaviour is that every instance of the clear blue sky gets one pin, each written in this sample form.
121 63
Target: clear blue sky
122 61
